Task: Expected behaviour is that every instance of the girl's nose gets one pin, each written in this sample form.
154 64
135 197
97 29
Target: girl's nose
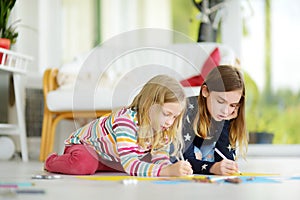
169 121
225 109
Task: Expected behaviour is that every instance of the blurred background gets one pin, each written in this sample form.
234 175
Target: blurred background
263 33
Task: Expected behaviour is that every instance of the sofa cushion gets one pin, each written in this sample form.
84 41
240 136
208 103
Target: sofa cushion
101 99
212 61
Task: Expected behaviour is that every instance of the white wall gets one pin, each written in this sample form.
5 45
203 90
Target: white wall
56 31
232 26
119 16
78 29
39 36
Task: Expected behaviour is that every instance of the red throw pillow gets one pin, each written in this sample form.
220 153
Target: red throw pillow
211 62
196 80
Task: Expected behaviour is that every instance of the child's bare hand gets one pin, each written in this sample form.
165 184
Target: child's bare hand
180 168
224 167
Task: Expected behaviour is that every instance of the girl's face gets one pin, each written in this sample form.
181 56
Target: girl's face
222 105
162 117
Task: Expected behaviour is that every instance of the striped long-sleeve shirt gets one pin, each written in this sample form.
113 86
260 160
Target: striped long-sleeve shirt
114 137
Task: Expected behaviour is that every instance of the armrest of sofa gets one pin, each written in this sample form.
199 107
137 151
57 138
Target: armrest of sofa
49 81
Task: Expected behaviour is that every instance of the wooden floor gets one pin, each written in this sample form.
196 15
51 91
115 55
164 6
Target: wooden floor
73 188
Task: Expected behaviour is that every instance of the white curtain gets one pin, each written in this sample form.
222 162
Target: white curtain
78 27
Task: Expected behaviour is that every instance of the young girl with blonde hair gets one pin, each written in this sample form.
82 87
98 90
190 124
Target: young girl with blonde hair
134 139
214 123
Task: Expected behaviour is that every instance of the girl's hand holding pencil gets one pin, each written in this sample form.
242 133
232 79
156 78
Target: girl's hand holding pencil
180 168
224 167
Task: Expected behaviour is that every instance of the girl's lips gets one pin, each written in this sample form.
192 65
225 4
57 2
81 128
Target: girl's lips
221 117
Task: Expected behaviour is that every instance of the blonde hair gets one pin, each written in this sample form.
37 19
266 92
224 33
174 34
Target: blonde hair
224 78
159 90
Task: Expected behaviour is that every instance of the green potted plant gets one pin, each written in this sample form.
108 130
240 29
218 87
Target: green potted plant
258 119
262 131
8 34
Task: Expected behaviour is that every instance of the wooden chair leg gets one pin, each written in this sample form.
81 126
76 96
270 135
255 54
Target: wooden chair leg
50 124
51 138
47 124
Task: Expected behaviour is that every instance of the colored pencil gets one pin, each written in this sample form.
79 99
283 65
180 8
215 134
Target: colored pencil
224 157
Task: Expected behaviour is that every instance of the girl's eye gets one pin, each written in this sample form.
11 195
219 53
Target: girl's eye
166 114
169 115
234 105
220 101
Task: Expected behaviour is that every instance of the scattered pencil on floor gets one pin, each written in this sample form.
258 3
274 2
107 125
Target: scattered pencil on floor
235 180
30 191
15 185
130 181
45 176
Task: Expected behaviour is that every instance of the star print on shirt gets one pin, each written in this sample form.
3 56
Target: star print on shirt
187 137
188 119
204 167
230 148
191 106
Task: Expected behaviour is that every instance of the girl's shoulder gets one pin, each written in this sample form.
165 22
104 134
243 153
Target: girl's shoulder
193 100
126 113
192 106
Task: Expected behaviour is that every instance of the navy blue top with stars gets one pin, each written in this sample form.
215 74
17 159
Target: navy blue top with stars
218 137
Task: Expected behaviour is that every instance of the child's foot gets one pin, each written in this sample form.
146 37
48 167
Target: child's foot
49 159
51 156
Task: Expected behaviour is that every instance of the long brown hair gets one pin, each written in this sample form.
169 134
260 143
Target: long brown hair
224 78
157 91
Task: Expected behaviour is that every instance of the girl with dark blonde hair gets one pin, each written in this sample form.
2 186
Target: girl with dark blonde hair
134 139
214 122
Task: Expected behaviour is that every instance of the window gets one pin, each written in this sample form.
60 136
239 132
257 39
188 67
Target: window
269 50
269 57
270 46
79 32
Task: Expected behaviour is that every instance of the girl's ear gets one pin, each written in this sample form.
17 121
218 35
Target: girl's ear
205 92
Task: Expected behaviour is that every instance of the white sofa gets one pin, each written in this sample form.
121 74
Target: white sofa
106 78
124 73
